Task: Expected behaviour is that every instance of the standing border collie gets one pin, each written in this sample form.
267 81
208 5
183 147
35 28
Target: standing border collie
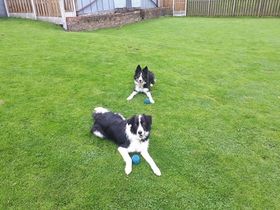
130 135
143 80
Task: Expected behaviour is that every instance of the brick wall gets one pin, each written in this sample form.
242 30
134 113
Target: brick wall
93 22
155 12
118 18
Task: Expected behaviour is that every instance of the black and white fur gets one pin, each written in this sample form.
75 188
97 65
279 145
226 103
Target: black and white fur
143 80
131 135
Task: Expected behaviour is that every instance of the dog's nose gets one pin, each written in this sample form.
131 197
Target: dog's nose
140 132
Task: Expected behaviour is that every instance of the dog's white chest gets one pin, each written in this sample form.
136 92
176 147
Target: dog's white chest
139 87
136 146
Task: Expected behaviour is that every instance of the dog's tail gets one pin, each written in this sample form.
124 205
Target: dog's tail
99 110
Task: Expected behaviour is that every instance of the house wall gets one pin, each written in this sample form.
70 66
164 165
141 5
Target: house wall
95 6
146 4
120 3
99 6
2 9
136 3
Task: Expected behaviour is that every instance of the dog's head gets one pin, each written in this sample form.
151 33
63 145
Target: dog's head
141 75
140 126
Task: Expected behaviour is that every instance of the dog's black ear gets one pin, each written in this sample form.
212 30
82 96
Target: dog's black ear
138 68
131 120
148 119
145 70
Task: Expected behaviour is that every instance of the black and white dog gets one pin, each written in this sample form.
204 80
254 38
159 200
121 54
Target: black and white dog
130 135
144 80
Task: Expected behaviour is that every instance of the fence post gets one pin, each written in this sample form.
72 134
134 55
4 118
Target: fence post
259 10
186 4
7 8
173 6
62 11
209 2
74 7
233 9
34 9
278 10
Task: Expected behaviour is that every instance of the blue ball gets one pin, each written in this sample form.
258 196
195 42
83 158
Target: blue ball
147 101
135 159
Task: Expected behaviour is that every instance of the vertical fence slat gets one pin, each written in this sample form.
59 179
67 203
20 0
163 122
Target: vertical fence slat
208 9
223 8
259 9
269 7
250 8
233 7
278 9
263 13
246 7
272 8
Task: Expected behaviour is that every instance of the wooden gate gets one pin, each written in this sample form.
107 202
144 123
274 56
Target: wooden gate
179 7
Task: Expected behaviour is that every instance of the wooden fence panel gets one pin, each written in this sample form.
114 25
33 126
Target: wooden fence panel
69 5
167 3
276 8
19 6
47 8
233 8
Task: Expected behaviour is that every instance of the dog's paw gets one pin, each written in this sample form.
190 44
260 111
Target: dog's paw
129 98
128 169
157 171
152 101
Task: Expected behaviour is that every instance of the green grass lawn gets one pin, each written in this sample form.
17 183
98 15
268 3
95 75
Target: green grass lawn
216 116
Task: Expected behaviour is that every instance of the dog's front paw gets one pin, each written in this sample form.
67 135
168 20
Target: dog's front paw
152 101
128 169
129 98
157 171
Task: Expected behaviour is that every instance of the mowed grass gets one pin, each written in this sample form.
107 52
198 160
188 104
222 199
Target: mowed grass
216 119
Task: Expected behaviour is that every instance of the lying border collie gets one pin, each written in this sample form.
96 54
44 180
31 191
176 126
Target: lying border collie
144 80
130 135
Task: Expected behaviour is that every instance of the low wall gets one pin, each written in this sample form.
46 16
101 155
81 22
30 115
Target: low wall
93 22
114 19
155 12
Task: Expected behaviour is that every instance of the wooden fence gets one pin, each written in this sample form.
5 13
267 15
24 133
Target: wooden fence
49 10
69 5
233 7
229 7
46 8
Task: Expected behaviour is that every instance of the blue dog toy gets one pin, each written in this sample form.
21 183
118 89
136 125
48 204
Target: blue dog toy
135 159
147 101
